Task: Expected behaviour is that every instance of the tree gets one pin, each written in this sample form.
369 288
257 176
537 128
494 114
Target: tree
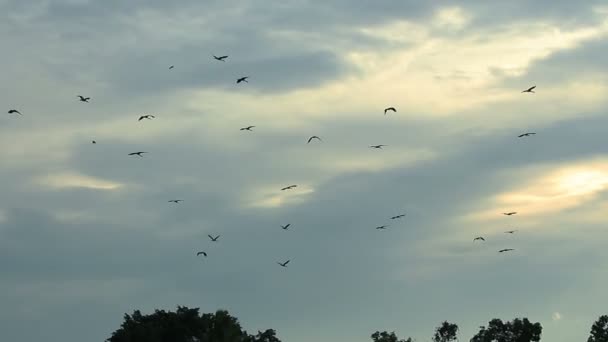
185 325
599 330
387 337
516 331
446 332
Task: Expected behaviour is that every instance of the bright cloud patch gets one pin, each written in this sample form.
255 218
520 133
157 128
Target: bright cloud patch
72 180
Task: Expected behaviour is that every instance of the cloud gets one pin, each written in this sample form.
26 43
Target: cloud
556 316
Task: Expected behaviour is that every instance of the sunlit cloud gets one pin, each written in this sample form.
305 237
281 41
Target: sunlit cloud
274 198
552 190
452 18
74 180
556 316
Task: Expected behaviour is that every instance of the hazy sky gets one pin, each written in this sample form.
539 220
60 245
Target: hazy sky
87 234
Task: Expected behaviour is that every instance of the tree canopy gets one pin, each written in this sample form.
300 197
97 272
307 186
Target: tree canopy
446 332
387 337
519 330
599 330
186 325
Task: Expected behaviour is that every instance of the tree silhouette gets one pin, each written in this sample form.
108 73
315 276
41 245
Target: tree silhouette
599 330
387 337
516 331
446 332
185 325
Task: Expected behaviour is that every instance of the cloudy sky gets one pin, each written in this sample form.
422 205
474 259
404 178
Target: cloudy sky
87 234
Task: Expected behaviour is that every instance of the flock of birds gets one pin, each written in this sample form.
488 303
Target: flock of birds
289 187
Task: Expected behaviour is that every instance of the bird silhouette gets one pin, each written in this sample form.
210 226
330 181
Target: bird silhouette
84 99
94 142
284 264
313 137
382 227
390 108
242 79
14 111
176 201
286 226
479 238
214 239
510 213
171 67
201 252
137 153
510 231
148 116
220 58
526 134
289 187
505 250
529 90
398 216
248 128
377 146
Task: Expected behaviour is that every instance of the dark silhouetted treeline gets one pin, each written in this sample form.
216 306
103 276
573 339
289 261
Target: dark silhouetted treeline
187 325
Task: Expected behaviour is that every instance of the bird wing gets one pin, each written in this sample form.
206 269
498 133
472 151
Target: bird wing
287 262
532 88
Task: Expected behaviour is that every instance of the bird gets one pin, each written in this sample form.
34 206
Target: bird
381 227
147 116
248 128
390 108
137 153
214 239
14 111
313 137
479 238
171 67
201 252
398 216
377 146
242 79
505 250
286 226
526 134
176 201
94 142
510 231
220 58
529 90
510 213
84 99
284 264
289 187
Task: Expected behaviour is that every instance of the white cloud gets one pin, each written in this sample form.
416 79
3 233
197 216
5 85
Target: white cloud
556 316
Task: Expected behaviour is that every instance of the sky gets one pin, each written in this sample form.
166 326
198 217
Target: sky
87 233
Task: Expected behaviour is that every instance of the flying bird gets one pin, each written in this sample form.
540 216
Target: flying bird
289 187
214 239
137 153
505 250
94 142
377 146
529 90
313 137
84 99
526 134
510 213
381 227
171 67
510 231
242 79
390 108
248 128
284 264
479 238
176 201
148 116
286 226
201 252
398 216
220 58
14 111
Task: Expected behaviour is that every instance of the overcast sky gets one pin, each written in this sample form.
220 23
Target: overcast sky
87 233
